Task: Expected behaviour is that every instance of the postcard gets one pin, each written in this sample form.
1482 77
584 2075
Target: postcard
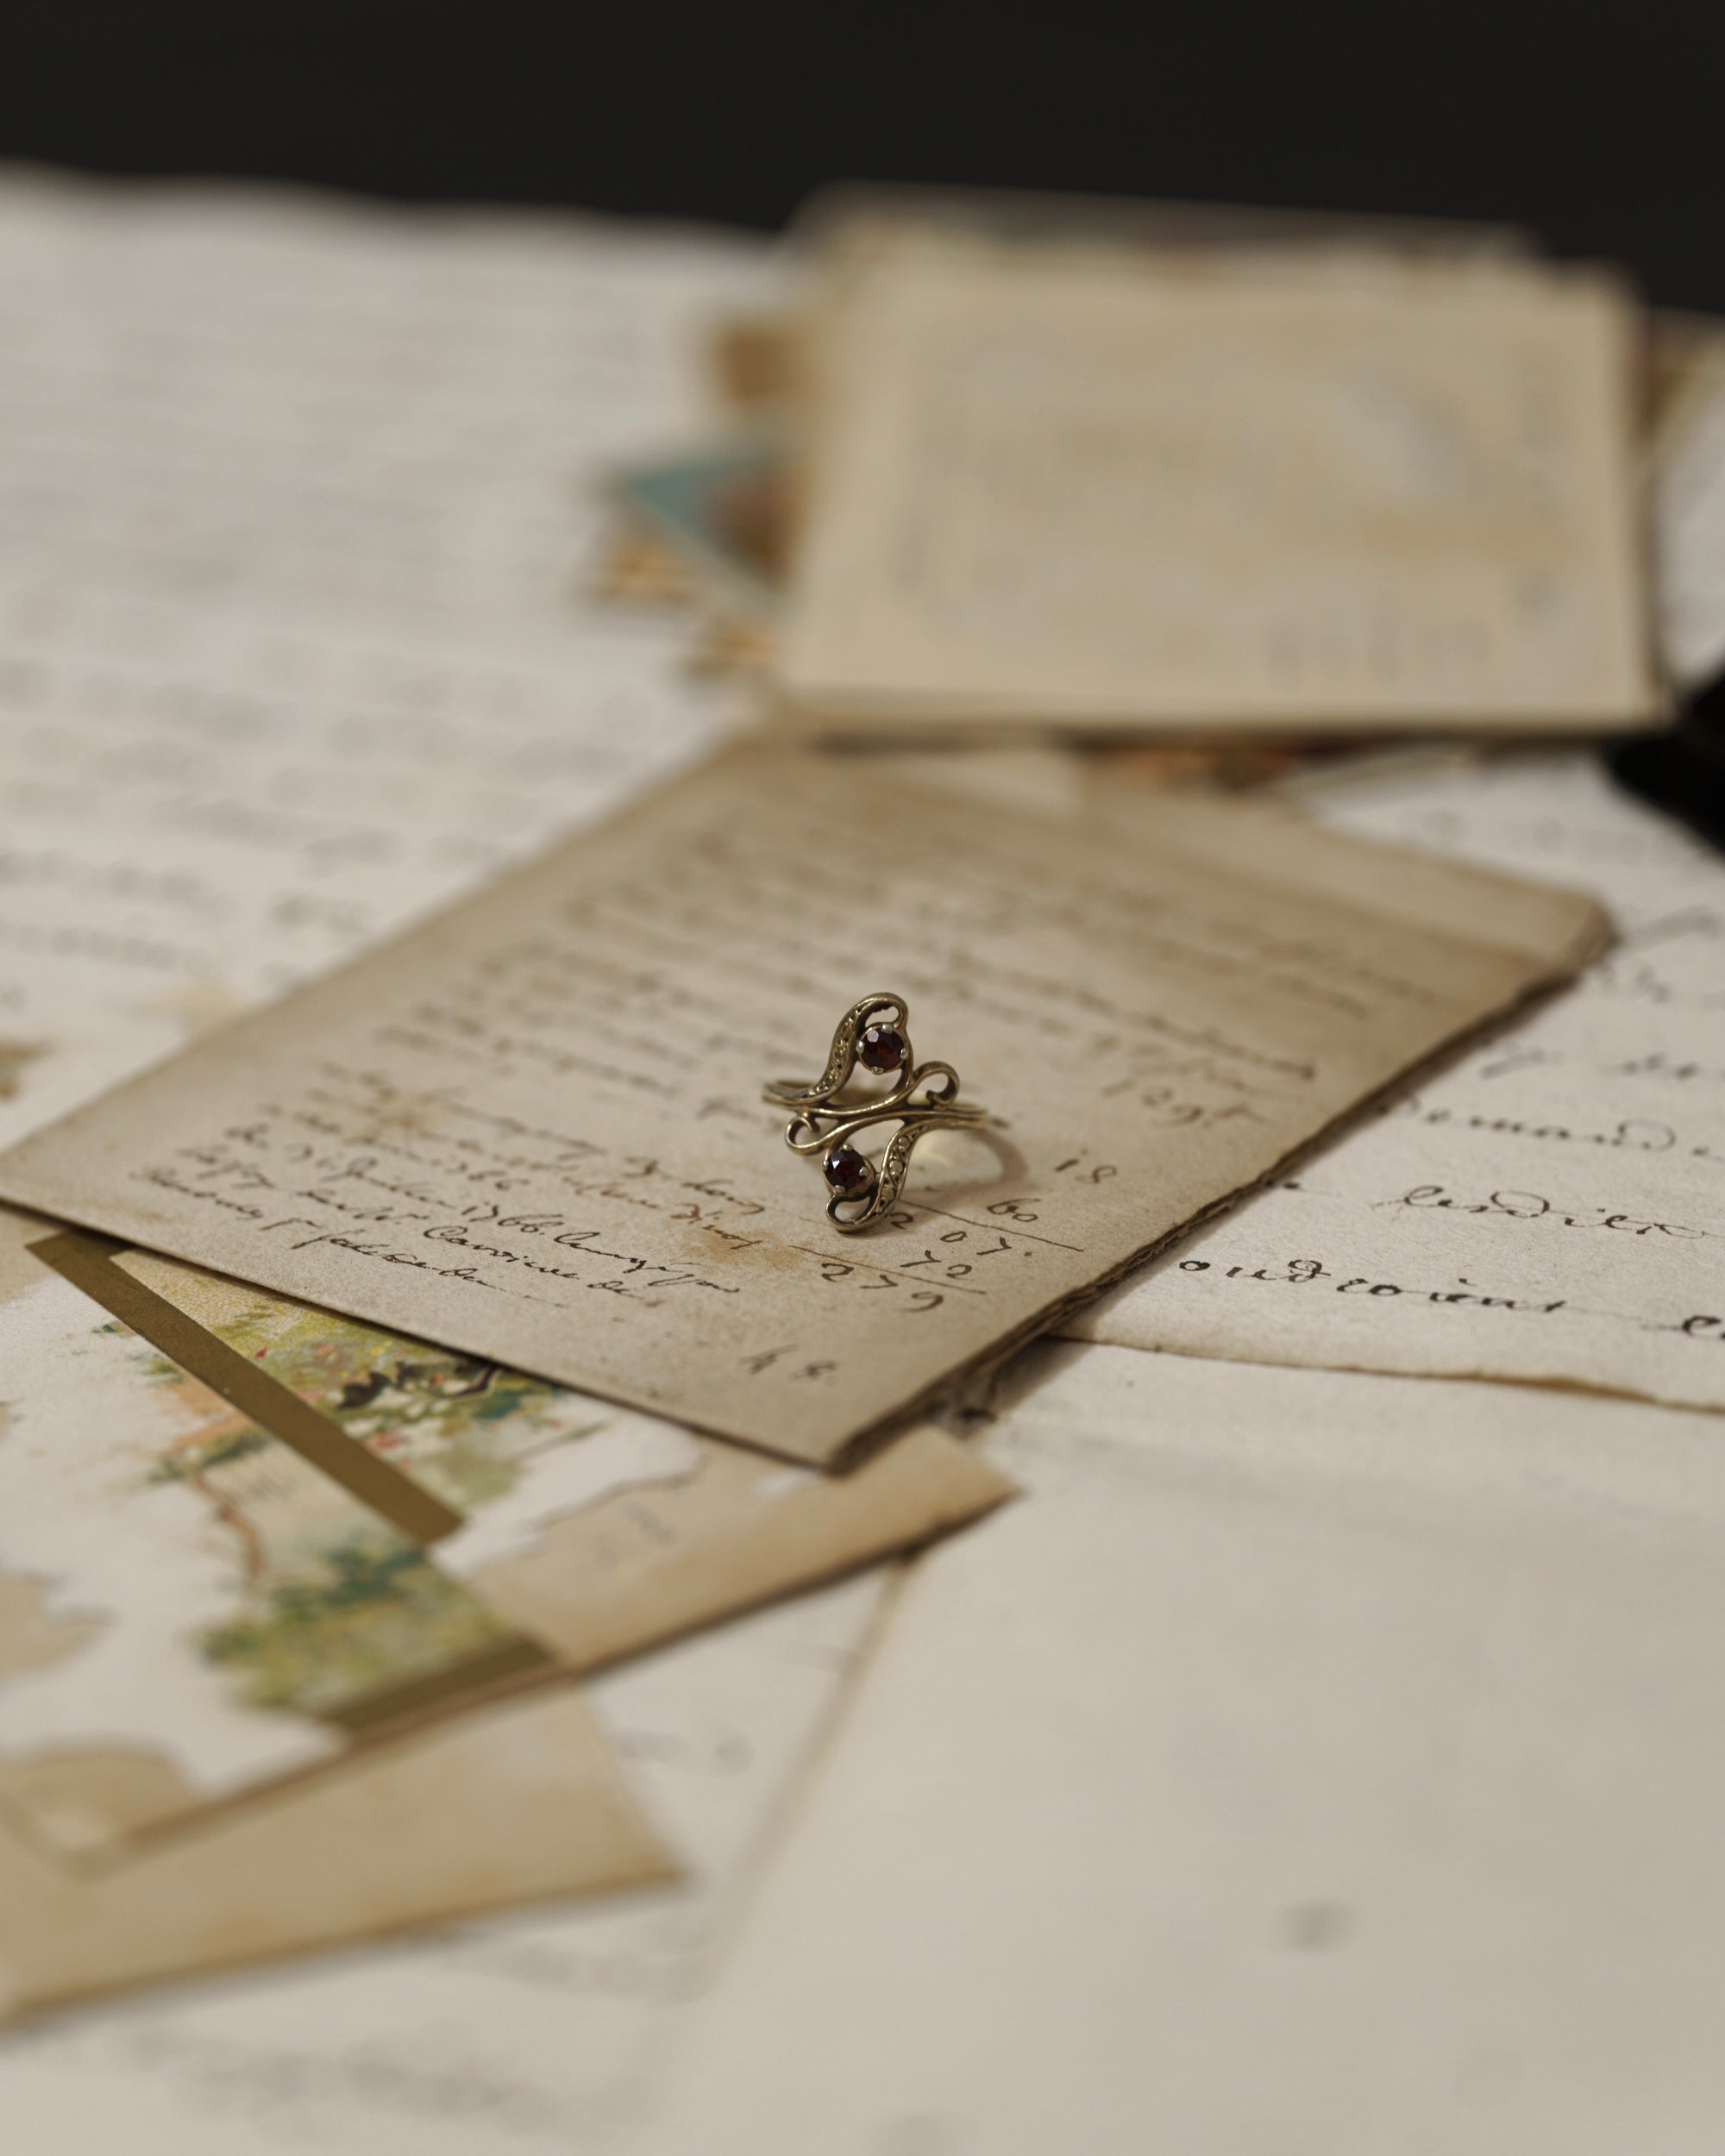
533 1130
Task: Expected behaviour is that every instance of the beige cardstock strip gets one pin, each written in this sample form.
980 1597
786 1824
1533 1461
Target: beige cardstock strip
513 1803
87 1262
532 1129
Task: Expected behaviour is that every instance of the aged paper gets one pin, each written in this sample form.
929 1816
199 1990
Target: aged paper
532 1130
1544 1209
757 358
1249 494
514 1802
536 2033
1314 1761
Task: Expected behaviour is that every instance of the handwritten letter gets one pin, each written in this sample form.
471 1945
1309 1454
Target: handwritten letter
1551 1208
533 1129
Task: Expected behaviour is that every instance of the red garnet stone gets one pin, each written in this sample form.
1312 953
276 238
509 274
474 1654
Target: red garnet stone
883 1048
848 1172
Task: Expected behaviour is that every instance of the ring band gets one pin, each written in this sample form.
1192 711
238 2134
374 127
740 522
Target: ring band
923 1097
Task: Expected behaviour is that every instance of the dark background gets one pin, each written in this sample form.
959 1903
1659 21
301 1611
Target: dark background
1601 128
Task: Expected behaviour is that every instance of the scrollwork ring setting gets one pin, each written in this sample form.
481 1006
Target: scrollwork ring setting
921 1097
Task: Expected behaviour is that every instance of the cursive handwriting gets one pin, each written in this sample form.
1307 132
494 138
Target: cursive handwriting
1529 1205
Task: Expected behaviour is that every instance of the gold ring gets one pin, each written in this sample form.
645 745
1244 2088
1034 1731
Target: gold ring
922 1097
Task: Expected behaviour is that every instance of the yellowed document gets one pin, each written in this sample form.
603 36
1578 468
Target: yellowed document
514 1802
1316 1761
1549 1207
533 1130
757 358
1237 494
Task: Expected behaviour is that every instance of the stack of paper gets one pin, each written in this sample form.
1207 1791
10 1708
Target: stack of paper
420 1351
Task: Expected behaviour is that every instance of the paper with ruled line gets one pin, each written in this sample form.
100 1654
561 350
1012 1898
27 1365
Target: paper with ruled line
532 1129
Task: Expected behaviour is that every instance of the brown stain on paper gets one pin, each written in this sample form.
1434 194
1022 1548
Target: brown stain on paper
14 1055
79 1798
31 1636
19 1271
